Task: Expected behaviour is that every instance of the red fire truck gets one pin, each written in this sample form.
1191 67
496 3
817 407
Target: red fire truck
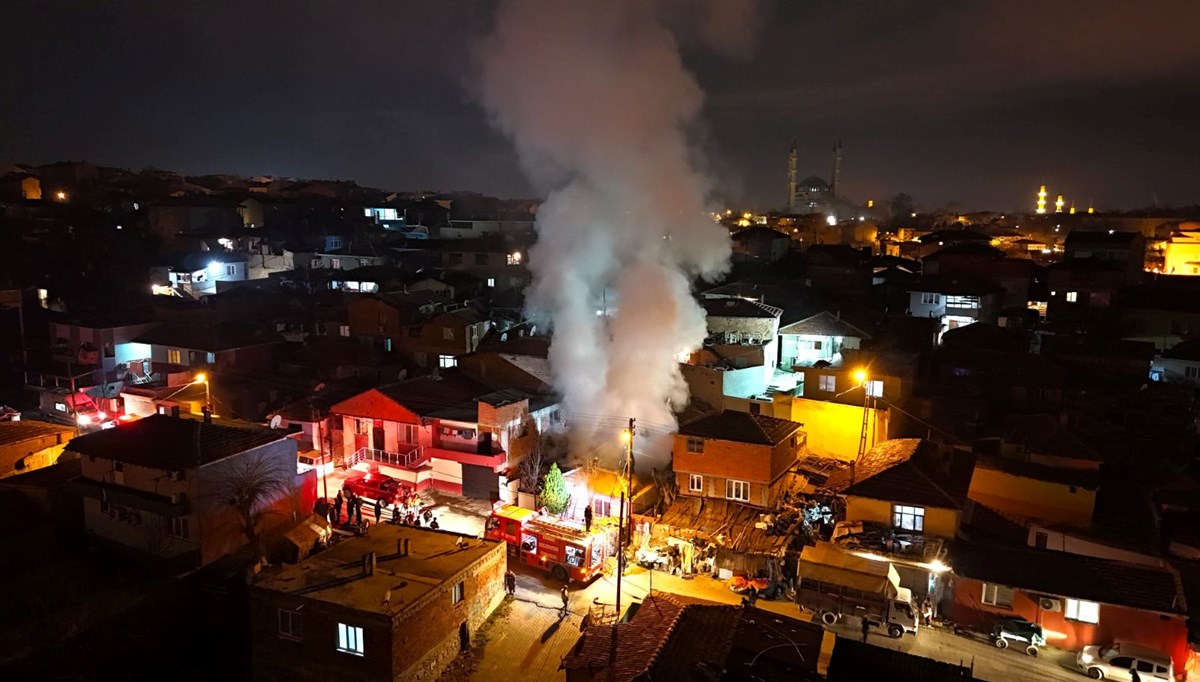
564 549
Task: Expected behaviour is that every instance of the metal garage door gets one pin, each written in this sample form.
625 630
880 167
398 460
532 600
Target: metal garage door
480 482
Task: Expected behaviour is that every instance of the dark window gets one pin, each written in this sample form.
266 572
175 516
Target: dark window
1040 539
1122 662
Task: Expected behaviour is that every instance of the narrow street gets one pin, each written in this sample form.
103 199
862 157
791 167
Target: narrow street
532 638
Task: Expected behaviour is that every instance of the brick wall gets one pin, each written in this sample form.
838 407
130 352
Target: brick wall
415 644
427 637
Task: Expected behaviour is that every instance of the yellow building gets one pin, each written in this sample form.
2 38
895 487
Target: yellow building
834 429
1182 254
906 498
1032 492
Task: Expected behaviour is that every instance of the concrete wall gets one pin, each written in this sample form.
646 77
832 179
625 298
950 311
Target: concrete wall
833 429
1032 499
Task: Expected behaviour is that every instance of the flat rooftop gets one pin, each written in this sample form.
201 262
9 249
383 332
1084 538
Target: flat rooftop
335 575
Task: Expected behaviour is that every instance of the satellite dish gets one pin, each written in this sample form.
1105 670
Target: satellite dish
504 336
276 421
402 375
319 387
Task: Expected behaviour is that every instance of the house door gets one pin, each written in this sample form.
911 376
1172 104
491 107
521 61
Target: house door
484 446
377 438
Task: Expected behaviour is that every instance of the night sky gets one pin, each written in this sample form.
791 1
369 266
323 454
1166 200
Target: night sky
969 102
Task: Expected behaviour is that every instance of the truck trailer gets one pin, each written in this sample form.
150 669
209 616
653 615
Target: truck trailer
835 584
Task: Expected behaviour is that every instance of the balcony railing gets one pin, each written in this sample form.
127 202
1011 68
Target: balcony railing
411 458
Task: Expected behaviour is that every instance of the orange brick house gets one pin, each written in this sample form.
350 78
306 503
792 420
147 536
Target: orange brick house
736 456
1078 600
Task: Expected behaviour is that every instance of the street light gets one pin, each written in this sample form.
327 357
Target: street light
202 378
860 375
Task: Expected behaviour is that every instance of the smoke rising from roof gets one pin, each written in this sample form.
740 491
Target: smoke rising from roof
601 110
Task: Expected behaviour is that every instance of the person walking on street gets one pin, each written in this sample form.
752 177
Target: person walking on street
510 583
378 510
1134 676
752 596
587 518
395 513
337 508
866 628
565 600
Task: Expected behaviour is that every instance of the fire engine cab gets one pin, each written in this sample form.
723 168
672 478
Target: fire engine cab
565 550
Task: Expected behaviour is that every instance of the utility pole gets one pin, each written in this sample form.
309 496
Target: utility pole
624 531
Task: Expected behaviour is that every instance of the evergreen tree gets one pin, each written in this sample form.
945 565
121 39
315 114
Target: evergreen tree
554 491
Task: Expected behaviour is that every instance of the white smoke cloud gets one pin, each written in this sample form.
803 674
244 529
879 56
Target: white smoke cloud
596 99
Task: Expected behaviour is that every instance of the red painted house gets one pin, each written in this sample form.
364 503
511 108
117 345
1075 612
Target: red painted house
448 432
1078 600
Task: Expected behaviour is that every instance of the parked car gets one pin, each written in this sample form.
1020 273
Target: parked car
1018 630
1117 662
373 485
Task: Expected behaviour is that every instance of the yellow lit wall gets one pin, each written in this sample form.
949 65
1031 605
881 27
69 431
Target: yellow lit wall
833 429
938 521
1182 256
1027 498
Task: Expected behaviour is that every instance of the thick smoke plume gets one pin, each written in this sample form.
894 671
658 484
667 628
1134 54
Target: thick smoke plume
596 99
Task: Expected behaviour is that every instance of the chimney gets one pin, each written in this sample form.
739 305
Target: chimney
368 564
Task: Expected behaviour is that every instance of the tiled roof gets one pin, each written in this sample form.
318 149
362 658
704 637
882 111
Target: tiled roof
742 427
824 323
12 433
904 483
883 456
171 443
451 395
1071 575
667 636
738 307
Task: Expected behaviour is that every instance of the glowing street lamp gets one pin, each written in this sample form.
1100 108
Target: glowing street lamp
202 378
860 375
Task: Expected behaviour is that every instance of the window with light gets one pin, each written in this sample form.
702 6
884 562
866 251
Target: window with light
1082 611
350 639
908 518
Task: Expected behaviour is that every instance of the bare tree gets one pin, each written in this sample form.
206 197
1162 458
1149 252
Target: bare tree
529 470
249 486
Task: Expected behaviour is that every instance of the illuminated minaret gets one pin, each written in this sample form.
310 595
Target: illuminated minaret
791 202
1041 200
1058 204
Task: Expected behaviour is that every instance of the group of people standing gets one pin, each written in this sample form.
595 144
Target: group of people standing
406 511
353 504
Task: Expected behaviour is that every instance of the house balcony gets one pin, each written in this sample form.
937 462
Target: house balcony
407 456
